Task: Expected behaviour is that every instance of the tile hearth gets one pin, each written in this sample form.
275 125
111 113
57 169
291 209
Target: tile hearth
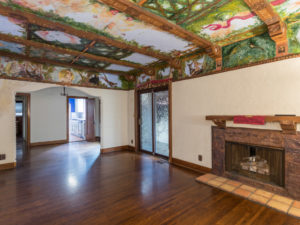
278 202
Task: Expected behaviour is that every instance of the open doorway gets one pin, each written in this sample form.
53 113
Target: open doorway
77 119
81 119
22 113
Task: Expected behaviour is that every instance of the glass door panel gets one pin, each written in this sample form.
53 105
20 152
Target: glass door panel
146 122
161 111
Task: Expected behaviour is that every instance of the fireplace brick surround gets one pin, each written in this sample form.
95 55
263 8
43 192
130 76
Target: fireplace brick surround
290 143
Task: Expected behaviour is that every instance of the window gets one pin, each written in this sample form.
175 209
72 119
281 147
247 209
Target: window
19 109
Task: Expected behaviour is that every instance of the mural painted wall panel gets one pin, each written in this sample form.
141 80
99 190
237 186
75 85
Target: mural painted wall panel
248 51
47 73
198 65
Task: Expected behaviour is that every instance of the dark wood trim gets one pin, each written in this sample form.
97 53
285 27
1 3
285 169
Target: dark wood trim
28 128
75 53
136 120
31 18
97 138
8 166
56 63
118 148
57 142
170 123
191 166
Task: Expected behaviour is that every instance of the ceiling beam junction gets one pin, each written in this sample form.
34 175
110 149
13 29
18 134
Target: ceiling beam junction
137 12
277 28
35 44
40 21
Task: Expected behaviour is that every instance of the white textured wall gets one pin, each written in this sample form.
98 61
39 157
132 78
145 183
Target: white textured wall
267 89
114 115
49 114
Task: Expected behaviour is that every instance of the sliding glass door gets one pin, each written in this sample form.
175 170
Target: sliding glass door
154 122
146 122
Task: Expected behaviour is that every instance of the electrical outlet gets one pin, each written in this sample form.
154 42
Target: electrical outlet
2 156
200 157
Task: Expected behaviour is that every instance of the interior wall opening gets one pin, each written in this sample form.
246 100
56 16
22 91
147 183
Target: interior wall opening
77 119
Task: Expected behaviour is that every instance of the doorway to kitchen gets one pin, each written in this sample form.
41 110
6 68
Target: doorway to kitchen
77 118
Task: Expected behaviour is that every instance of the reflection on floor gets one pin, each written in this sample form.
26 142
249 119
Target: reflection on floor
22 151
73 138
73 184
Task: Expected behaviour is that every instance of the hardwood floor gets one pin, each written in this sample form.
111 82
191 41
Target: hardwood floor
72 184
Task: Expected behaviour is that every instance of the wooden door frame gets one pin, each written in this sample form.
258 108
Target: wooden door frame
68 116
137 117
28 130
86 124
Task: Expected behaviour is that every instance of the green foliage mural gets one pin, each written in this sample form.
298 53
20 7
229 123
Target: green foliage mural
294 37
248 51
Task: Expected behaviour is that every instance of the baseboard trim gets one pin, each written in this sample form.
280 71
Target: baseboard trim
191 166
58 142
117 149
8 166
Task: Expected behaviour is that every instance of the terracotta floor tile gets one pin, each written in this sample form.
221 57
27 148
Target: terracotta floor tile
295 211
227 187
258 198
221 179
210 176
296 204
203 179
214 183
264 193
279 205
242 192
248 188
282 199
234 183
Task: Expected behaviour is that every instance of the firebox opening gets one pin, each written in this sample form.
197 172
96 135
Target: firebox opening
256 162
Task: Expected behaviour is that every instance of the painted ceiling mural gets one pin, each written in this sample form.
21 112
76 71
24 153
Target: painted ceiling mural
231 24
94 16
18 69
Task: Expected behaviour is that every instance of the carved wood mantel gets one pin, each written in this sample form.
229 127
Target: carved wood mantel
288 123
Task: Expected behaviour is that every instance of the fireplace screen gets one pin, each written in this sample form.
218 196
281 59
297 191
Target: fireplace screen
256 162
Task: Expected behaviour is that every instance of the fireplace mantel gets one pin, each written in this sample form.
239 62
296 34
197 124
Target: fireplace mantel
288 123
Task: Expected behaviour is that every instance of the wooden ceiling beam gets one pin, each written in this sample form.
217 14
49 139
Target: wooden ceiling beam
277 28
155 20
137 12
87 47
35 44
37 20
56 63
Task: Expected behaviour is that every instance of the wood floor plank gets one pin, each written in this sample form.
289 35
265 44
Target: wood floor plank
73 184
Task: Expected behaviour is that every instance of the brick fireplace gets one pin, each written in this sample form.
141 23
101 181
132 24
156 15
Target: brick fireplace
266 159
